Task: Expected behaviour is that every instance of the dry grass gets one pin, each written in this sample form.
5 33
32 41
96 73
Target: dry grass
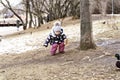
73 65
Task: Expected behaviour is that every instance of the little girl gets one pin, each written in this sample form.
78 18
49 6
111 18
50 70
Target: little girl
57 41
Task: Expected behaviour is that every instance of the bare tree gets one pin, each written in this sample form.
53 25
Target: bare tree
59 8
55 9
8 6
116 4
36 9
86 40
74 8
28 14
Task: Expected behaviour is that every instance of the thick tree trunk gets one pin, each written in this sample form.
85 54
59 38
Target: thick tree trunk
39 22
27 10
86 41
31 18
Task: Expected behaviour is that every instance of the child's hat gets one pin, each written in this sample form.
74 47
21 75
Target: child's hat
57 29
57 23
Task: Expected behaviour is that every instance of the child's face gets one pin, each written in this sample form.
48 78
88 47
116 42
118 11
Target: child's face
57 32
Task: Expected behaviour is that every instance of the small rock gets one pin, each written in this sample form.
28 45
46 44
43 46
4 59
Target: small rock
107 53
86 57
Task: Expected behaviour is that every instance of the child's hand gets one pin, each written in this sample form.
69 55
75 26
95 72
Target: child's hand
65 42
46 45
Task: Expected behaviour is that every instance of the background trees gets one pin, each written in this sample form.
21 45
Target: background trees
38 10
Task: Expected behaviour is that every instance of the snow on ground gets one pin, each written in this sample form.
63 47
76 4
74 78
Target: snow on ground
23 43
9 30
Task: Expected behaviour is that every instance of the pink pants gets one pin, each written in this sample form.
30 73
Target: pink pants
55 46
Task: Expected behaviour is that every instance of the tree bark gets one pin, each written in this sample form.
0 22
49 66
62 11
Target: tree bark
31 17
27 9
86 41
39 21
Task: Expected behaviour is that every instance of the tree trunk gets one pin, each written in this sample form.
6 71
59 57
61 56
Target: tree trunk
27 10
39 22
86 41
31 18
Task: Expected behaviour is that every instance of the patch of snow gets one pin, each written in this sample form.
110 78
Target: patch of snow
27 42
9 30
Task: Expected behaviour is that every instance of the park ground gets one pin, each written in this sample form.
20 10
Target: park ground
24 58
